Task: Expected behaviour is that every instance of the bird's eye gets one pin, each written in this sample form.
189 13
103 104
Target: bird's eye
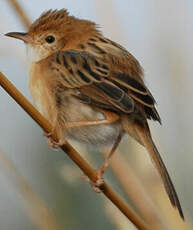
50 39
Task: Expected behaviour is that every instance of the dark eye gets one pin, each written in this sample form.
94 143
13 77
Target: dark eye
50 39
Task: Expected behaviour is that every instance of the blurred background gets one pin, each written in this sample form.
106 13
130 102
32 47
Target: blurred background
160 36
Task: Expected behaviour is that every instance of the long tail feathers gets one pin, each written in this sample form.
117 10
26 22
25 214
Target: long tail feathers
145 137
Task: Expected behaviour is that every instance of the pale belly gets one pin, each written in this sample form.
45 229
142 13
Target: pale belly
95 135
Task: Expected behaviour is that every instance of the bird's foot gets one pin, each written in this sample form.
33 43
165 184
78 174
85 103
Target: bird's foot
98 183
51 143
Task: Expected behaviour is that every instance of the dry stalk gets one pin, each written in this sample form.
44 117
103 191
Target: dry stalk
21 13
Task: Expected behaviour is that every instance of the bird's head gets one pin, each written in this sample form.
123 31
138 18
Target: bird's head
54 30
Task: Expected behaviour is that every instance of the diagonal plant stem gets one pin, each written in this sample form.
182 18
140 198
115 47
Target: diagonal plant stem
72 153
21 13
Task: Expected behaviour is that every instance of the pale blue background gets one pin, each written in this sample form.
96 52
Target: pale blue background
160 34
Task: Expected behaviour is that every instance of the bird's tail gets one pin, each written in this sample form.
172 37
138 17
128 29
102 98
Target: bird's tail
142 134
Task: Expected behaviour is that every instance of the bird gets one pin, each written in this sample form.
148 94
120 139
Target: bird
90 88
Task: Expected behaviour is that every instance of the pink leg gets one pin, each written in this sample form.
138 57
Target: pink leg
100 180
109 118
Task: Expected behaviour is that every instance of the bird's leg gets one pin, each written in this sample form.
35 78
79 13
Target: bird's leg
110 117
100 180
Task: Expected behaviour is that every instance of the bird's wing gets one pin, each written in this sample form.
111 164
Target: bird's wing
99 85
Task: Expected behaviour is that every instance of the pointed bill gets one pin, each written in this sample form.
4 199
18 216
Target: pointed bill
22 36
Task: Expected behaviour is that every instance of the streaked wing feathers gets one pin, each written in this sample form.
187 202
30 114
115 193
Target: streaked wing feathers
136 90
116 96
79 69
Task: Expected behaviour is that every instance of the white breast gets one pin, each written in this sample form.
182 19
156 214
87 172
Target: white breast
32 54
36 53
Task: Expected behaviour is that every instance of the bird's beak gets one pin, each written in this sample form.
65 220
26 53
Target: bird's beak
22 36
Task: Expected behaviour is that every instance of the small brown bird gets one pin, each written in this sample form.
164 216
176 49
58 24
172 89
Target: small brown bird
90 88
